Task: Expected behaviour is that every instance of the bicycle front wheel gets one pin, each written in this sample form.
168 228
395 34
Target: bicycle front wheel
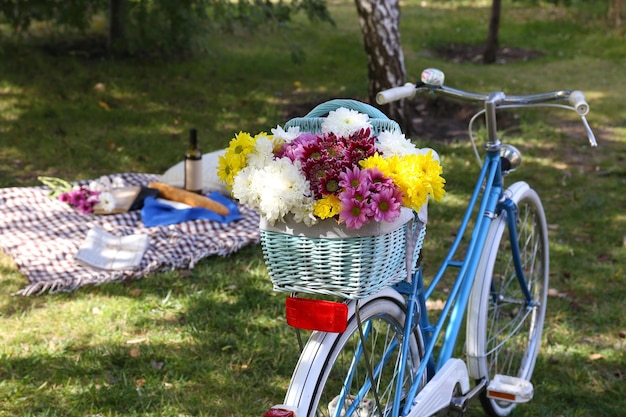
333 374
503 329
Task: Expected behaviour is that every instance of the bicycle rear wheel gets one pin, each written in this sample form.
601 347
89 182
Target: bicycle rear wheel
503 330
333 366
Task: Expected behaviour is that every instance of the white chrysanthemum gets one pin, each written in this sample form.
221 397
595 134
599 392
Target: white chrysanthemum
281 135
105 182
304 212
106 202
391 143
117 182
275 189
242 187
95 186
262 154
344 122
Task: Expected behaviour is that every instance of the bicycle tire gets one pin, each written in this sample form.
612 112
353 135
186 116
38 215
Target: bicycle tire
503 338
322 368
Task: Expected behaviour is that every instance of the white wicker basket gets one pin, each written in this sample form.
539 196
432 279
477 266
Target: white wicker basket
329 259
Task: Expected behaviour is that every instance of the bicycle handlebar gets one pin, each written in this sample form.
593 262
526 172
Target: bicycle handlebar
432 82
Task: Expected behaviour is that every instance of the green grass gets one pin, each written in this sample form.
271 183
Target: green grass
213 341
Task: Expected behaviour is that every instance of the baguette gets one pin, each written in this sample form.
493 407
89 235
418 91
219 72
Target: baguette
172 193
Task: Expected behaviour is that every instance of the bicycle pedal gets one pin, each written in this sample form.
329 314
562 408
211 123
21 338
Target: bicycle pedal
364 408
510 388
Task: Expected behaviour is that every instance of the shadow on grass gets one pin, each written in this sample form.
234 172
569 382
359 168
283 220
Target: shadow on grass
230 350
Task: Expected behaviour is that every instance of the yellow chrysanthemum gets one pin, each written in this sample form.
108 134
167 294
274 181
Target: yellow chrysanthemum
327 207
234 159
431 173
224 171
416 194
418 176
242 143
375 161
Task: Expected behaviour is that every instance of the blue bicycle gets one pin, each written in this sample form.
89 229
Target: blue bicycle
391 360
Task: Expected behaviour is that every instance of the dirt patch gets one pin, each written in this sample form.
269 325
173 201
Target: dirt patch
459 53
88 47
440 119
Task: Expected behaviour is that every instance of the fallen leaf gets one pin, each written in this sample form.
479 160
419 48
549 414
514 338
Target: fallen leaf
99 87
595 356
554 293
140 382
134 353
435 305
104 105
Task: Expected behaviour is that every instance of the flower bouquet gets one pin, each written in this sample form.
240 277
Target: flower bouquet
346 174
96 196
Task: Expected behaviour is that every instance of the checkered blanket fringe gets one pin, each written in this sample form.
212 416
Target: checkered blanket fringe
42 235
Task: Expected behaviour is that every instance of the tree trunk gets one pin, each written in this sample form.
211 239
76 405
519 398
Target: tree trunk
380 21
615 12
116 41
491 49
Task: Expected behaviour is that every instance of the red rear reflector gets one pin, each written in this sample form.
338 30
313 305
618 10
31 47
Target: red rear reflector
325 316
278 412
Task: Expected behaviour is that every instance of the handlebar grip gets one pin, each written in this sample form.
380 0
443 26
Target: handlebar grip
396 93
577 99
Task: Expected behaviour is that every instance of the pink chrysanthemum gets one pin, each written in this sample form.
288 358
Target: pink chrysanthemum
354 213
357 179
295 150
82 198
386 205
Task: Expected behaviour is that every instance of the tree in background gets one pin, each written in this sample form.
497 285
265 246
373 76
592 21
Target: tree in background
491 48
380 25
147 27
116 29
614 13
20 14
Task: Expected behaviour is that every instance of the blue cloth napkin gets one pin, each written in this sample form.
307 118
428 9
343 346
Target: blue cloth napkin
155 213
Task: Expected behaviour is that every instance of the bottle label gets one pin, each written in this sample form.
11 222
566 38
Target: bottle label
193 175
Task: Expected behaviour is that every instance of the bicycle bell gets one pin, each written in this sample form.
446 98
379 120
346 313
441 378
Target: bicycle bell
511 158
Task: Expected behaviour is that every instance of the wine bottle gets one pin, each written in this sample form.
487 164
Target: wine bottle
193 164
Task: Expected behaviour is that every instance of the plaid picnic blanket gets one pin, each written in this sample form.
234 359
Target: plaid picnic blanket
42 236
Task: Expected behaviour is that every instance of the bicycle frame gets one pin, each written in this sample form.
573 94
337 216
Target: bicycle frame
488 196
